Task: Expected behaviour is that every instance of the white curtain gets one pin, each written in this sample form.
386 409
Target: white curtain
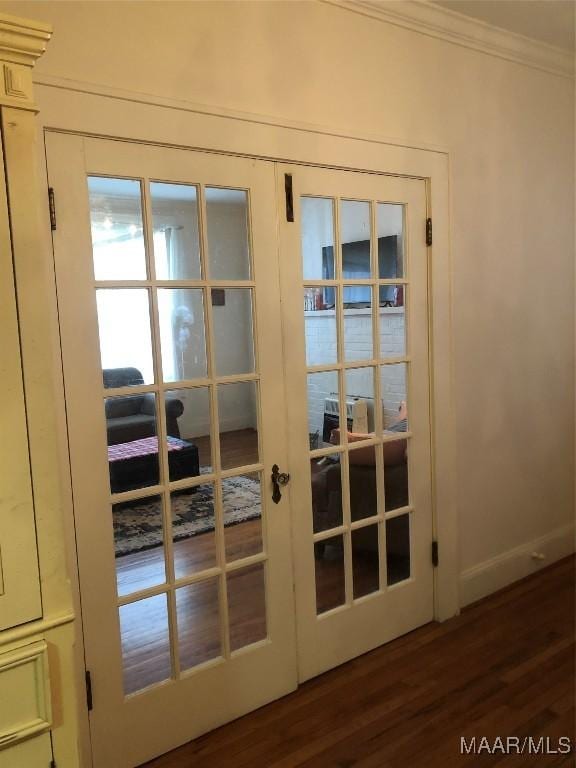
180 311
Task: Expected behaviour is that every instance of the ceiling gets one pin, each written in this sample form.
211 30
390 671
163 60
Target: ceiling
549 21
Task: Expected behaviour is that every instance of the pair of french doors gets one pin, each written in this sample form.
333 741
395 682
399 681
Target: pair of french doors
209 343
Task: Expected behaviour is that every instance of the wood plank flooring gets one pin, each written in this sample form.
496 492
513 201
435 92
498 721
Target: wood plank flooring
144 624
237 448
505 667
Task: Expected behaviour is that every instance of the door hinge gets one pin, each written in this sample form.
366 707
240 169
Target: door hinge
52 208
428 231
89 691
435 553
289 197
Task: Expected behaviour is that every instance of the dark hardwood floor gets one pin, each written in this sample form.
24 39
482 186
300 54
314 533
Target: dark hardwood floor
144 624
237 448
505 667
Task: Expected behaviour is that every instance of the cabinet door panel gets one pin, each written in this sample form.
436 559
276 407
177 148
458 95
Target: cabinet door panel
33 753
19 578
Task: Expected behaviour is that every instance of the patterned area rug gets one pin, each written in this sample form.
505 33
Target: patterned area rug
138 524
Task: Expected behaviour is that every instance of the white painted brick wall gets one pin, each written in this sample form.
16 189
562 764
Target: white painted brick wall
321 350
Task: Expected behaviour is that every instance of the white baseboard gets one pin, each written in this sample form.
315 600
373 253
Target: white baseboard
234 423
201 427
494 574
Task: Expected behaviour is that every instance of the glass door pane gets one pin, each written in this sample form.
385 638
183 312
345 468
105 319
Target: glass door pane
163 438
361 297
350 405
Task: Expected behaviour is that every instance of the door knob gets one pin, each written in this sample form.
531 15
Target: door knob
278 479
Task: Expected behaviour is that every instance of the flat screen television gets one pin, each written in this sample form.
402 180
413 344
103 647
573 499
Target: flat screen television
356 266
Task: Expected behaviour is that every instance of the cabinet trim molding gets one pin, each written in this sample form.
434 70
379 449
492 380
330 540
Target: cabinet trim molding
34 628
22 42
35 689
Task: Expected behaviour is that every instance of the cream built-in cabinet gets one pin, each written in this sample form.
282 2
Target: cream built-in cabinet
20 599
38 693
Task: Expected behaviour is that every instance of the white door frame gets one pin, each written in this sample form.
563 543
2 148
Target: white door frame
98 111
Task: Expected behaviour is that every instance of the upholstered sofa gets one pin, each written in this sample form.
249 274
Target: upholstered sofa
132 417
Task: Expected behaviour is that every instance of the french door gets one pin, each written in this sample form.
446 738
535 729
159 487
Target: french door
354 277
168 298
209 344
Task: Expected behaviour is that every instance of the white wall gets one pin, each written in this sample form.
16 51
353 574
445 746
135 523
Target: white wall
509 129
233 342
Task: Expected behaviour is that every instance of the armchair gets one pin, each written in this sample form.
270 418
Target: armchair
327 493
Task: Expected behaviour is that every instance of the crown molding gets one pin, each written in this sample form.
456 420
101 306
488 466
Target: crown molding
22 42
456 28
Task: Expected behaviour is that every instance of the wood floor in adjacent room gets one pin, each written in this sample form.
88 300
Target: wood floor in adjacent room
505 667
